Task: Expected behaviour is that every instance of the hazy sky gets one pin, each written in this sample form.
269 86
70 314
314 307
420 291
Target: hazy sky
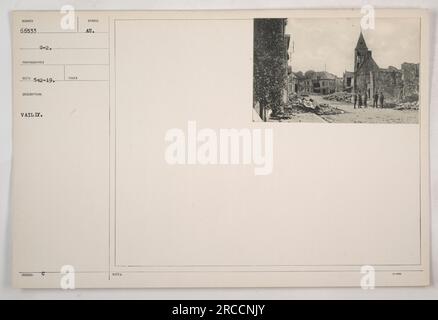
332 41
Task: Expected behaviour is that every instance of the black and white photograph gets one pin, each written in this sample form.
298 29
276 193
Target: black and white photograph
333 70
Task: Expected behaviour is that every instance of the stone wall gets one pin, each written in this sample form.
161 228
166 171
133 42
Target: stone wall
390 83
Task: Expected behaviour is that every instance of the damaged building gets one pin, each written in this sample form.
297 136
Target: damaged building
271 57
324 82
396 84
318 82
347 81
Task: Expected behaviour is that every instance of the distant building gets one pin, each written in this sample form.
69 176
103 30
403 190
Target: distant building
324 82
319 82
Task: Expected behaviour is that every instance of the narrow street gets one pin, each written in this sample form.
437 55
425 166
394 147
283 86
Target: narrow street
366 115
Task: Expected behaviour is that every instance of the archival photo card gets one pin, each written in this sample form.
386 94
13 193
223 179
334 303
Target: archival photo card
148 150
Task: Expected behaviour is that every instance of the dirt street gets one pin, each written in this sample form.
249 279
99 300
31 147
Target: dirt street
367 115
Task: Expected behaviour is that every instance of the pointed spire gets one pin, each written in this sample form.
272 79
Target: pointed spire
361 44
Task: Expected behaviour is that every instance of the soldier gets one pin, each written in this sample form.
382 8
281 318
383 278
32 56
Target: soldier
376 100
365 99
360 99
382 99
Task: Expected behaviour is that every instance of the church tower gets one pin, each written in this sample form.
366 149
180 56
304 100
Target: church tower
360 53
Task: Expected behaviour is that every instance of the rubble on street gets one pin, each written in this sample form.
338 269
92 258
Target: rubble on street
303 104
415 105
339 96
326 109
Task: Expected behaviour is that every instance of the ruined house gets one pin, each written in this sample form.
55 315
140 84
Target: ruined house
410 78
347 81
305 84
396 84
270 65
339 84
